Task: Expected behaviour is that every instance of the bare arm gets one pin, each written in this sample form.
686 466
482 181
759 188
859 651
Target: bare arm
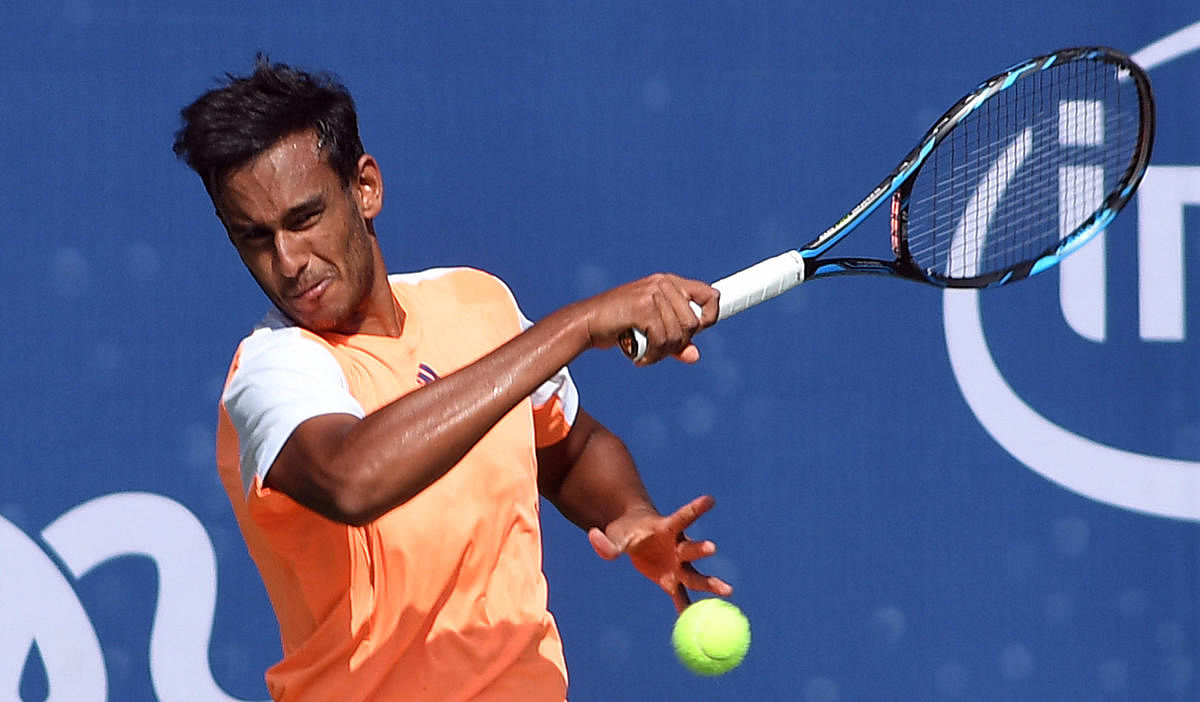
591 478
354 470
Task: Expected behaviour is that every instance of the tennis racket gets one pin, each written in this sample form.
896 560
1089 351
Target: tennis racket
1015 176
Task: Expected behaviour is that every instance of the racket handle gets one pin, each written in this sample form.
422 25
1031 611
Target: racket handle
740 291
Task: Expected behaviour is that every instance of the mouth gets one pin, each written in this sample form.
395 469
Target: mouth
309 292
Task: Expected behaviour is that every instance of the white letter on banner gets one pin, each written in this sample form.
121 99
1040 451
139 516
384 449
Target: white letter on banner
1082 279
163 530
41 607
1161 298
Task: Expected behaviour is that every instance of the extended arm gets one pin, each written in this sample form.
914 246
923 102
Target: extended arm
353 470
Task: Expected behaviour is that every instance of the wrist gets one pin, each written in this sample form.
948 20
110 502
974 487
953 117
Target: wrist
638 511
574 327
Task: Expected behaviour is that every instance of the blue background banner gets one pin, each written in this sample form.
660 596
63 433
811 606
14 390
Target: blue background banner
920 496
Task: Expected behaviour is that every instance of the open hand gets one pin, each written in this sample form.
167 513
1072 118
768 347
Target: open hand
659 550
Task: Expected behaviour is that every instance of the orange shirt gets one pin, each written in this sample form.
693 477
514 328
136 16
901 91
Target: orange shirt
443 597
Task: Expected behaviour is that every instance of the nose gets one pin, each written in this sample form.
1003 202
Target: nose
291 253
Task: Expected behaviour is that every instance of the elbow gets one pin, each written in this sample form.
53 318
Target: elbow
358 496
350 490
353 503
347 496
350 515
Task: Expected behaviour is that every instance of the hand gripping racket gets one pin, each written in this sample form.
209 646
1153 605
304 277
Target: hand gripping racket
1018 174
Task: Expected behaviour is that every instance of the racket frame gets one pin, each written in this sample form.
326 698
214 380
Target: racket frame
778 274
899 183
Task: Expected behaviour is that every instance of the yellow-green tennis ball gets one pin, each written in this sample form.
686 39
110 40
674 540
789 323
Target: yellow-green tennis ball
711 637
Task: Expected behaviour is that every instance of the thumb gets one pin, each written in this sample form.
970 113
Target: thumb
605 548
689 355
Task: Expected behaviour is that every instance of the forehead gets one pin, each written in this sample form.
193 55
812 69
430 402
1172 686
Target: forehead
285 175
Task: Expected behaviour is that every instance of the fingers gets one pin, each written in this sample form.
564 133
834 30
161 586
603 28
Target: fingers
603 545
681 307
688 578
699 582
677 327
694 550
671 322
679 596
683 517
689 551
689 355
659 549
707 298
664 308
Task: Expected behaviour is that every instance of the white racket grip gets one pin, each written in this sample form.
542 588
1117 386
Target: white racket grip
746 288
759 283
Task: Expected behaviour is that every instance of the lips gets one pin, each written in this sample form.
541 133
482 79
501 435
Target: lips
310 292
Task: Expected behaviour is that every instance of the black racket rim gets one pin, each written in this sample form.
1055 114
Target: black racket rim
903 178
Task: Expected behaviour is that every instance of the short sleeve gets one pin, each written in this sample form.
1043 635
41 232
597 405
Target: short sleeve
282 378
555 403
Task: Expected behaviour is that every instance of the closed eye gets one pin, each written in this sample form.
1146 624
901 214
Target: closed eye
305 214
252 234
305 218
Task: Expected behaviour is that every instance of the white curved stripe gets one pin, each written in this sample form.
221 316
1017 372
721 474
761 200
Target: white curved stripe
145 524
968 243
1082 282
1169 48
1151 484
41 608
1143 483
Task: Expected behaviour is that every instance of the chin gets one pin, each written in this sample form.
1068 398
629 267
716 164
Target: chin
320 324
313 321
331 316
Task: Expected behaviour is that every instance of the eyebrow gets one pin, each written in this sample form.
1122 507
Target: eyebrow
309 204
240 221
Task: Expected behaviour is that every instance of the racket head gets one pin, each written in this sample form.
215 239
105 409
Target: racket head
1023 170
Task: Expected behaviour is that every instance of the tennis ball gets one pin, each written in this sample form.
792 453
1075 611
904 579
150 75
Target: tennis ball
711 637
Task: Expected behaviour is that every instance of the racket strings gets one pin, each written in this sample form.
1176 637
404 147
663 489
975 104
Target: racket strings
975 147
1077 181
987 237
968 167
1023 171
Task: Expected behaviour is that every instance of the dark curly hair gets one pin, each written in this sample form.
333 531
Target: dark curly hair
229 126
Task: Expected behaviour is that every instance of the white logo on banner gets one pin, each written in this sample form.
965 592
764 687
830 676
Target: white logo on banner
1140 482
51 617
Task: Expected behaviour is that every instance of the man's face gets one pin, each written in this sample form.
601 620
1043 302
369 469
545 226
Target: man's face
302 235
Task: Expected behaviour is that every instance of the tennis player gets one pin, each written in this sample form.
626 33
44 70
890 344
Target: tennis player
384 438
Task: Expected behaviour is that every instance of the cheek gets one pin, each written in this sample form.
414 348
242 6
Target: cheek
360 252
258 265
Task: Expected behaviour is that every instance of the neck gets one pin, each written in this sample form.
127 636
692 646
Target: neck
382 315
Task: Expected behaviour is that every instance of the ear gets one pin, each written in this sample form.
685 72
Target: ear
368 187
